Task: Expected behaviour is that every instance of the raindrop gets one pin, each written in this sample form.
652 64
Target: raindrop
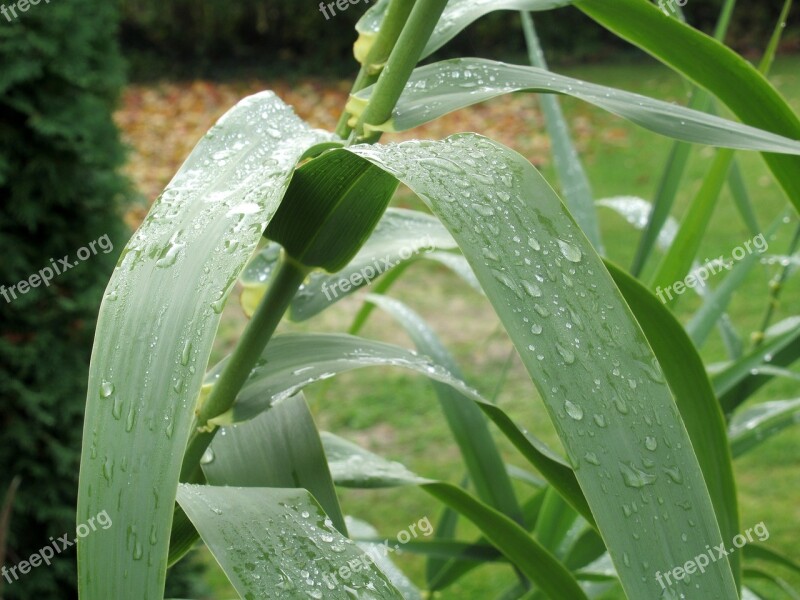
534 244
106 389
536 329
571 252
208 457
635 477
533 290
591 457
573 410
650 443
600 420
567 354
674 474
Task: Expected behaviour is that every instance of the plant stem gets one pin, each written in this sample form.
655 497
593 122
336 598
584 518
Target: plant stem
287 278
402 61
391 27
775 288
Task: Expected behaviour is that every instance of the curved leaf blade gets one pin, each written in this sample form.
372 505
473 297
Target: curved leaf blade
721 71
579 342
439 88
142 393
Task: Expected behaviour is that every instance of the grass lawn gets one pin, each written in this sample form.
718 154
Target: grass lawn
397 415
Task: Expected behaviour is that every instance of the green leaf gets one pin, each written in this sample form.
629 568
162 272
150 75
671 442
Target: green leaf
731 383
575 187
399 237
352 465
274 541
294 361
466 421
691 233
280 448
586 354
761 552
695 399
142 391
721 71
752 427
439 88
716 302
330 209
457 16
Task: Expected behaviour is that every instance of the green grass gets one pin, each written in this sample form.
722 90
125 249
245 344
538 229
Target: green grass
397 415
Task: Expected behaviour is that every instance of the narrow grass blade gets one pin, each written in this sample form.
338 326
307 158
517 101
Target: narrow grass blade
721 71
467 423
279 543
681 254
751 427
716 302
439 88
575 187
727 382
352 465
141 400
581 345
280 448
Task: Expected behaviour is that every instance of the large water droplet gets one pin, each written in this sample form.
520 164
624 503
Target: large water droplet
208 457
634 476
571 252
106 389
573 410
565 353
650 443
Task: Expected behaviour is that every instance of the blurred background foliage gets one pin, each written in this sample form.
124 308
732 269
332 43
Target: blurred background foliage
60 189
222 39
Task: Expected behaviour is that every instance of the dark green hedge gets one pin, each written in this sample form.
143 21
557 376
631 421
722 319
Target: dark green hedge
59 192
218 37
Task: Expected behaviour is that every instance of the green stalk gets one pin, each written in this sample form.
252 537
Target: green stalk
402 61
391 27
775 288
288 276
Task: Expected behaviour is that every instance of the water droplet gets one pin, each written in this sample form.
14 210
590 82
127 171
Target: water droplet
208 457
571 252
621 405
186 354
674 474
650 443
567 354
541 310
600 420
591 457
106 389
634 476
485 211
533 243
573 410
536 329
533 290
